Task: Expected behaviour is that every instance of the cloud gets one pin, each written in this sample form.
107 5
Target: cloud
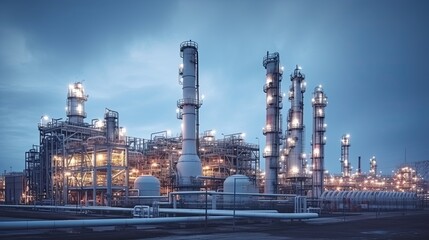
139 65
14 50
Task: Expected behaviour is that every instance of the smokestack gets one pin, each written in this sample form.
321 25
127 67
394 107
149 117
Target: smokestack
272 129
359 169
189 164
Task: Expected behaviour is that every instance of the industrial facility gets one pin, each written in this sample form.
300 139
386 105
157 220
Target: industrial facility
97 164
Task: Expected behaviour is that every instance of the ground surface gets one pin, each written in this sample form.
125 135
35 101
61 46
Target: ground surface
397 225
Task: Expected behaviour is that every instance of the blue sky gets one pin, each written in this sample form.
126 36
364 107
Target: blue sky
372 58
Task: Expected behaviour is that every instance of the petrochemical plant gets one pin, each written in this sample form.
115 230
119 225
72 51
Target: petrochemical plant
96 164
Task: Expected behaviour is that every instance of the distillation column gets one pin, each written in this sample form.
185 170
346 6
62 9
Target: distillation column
76 99
295 127
345 154
272 129
189 164
319 102
373 166
112 130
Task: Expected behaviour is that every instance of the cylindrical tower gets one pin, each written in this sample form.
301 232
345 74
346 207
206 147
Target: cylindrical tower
76 99
112 125
295 126
345 154
272 129
319 102
359 171
373 166
189 164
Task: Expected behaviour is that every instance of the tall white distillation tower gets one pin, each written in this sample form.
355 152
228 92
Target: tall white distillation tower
345 155
294 147
272 129
189 164
76 99
319 102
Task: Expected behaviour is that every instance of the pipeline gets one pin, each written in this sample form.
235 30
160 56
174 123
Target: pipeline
53 224
239 213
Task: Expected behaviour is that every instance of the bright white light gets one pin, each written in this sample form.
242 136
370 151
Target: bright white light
168 132
316 152
295 122
295 170
99 123
79 108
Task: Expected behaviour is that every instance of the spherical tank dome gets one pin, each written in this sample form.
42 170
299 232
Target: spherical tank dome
147 185
242 184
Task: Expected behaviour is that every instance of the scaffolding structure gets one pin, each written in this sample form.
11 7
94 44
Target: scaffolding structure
84 164
77 163
220 159
227 156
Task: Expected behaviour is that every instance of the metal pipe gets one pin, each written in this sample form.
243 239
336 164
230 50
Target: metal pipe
239 213
53 224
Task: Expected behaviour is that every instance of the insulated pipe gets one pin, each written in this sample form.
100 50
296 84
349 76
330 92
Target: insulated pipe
189 164
53 224
268 215
272 129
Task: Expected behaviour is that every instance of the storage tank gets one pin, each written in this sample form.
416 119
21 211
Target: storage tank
147 185
242 184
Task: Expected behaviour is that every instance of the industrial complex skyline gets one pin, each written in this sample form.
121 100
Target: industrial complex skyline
370 57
